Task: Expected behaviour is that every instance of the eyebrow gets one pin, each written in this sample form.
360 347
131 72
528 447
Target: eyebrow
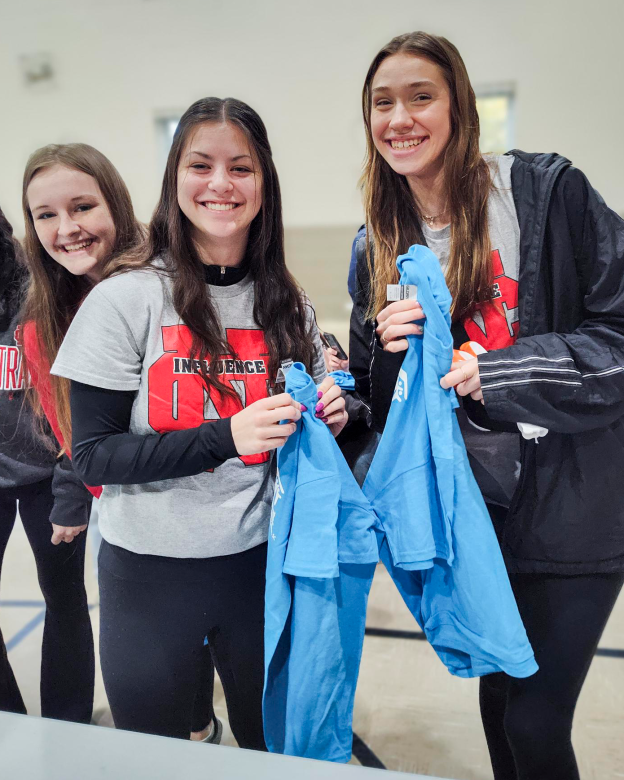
73 200
413 85
210 157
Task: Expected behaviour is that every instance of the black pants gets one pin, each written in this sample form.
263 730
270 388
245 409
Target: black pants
67 659
203 708
10 696
155 614
528 722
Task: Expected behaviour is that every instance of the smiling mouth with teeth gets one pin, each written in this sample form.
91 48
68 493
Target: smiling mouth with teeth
68 248
220 206
406 144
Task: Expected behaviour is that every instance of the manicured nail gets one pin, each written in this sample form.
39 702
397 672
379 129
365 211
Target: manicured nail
320 407
325 419
320 394
304 408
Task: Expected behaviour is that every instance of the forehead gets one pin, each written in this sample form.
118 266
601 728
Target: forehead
221 139
59 182
401 70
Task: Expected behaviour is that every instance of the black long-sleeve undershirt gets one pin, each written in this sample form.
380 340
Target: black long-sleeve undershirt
104 452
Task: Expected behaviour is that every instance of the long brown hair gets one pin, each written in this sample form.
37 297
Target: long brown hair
54 294
279 304
392 216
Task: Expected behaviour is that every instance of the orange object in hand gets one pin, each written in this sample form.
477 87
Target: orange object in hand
467 351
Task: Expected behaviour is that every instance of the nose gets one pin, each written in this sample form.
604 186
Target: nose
220 181
401 119
67 225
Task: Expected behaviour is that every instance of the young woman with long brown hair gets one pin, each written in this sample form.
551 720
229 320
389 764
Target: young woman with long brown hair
77 214
173 361
535 263
31 481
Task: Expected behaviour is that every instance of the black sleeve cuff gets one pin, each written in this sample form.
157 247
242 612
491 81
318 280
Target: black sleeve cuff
72 500
68 512
217 443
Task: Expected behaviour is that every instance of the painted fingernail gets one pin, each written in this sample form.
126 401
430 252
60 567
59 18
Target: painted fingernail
325 419
304 408
320 394
320 407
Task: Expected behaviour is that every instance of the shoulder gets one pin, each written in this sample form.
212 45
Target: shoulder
539 179
130 291
133 281
537 169
358 248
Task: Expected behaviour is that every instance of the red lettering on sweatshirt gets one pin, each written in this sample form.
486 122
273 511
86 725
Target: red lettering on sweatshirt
495 324
178 397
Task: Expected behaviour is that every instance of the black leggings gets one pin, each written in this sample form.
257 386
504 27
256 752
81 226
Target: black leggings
67 659
155 614
528 722
10 696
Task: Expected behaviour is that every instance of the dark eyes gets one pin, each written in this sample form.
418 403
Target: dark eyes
236 169
82 207
420 98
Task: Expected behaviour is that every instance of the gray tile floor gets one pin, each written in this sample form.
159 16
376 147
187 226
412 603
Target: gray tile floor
409 710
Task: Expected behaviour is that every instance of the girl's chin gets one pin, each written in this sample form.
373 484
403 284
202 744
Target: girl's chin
81 266
223 230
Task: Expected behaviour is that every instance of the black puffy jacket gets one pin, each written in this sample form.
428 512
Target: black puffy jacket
565 372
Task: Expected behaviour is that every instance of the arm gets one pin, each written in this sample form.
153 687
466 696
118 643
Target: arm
105 453
570 382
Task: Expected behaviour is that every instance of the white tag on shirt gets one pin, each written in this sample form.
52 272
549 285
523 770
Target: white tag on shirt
402 292
285 367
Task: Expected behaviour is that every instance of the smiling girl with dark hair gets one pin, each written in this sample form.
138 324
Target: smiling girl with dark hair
173 362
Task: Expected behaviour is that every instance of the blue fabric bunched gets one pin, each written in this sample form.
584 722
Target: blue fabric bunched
321 560
435 534
420 511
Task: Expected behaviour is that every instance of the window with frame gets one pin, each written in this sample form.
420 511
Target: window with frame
166 126
496 107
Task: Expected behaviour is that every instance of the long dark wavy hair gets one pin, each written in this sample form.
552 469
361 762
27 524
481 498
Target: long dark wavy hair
54 293
13 273
279 303
392 215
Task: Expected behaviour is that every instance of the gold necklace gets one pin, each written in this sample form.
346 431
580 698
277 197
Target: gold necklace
431 219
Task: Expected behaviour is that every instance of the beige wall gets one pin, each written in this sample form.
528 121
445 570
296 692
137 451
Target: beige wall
301 64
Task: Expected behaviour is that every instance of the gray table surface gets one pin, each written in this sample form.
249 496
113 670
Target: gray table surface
34 748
